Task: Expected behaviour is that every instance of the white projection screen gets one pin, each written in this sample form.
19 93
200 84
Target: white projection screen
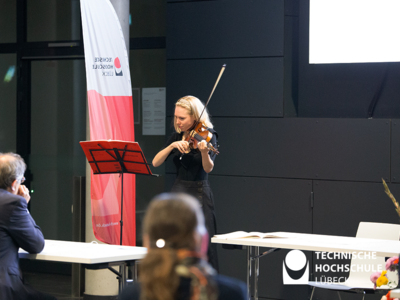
354 31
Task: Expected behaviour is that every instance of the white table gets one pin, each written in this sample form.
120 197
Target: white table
91 256
307 242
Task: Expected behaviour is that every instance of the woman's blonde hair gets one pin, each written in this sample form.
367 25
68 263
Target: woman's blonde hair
173 218
194 107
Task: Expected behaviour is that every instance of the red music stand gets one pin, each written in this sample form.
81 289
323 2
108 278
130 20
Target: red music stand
109 157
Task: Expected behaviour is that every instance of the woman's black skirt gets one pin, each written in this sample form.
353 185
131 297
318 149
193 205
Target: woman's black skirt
201 190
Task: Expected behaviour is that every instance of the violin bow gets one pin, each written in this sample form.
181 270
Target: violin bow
212 92
209 98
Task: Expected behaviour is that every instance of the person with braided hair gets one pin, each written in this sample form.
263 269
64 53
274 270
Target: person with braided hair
175 267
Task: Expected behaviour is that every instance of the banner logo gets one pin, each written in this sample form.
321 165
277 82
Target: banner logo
118 69
105 66
295 269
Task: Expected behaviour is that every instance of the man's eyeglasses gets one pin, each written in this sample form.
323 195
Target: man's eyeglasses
22 180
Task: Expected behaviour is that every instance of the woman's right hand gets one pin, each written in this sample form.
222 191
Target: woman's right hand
182 146
161 156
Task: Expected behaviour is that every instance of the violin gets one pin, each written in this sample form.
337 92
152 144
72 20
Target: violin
199 131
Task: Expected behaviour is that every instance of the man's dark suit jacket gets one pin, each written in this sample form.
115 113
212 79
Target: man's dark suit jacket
17 229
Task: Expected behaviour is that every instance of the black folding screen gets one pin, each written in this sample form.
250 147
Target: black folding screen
270 165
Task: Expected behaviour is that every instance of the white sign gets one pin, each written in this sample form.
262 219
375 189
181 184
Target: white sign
153 104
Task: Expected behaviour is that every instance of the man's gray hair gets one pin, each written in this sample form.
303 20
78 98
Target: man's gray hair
12 167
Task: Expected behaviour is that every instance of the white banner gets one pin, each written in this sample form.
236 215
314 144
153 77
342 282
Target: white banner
111 117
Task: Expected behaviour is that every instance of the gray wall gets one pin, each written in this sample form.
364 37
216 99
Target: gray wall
287 129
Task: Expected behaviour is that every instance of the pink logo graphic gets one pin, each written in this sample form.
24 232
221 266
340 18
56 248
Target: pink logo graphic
118 69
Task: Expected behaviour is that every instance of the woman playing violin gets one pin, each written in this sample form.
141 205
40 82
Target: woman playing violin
193 165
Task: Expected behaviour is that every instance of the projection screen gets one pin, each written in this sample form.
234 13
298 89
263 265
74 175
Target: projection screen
354 31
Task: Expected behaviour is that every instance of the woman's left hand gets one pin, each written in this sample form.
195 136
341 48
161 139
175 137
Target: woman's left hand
202 146
208 164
